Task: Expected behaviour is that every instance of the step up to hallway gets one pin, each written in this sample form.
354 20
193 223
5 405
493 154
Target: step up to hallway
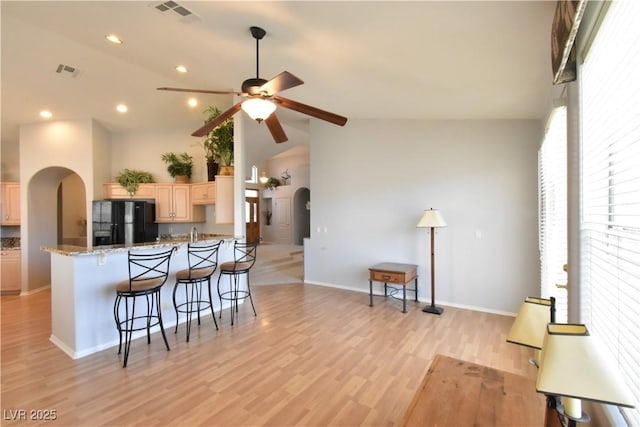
278 264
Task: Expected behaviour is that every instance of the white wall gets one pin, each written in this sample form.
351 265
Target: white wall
143 151
49 152
372 179
74 211
296 162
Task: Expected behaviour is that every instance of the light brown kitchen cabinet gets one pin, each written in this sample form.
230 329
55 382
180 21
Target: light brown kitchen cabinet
203 193
10 208
224 200
10 272
173 204
116 191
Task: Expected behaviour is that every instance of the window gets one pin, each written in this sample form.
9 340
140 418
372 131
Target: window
253 179
552 184
610 191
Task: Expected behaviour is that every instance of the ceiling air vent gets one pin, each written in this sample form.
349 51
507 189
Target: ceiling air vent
171 5
67 70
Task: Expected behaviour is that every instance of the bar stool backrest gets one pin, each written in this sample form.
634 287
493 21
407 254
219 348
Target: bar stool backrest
244 255
149 268
203 258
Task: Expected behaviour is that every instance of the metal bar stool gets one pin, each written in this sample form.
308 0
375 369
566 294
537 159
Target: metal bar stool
244 255
147 273
203 261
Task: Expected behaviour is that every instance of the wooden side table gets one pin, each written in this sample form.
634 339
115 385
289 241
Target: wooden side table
397 274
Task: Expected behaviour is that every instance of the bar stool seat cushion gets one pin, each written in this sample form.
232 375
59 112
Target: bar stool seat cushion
200 273
235 266
140 285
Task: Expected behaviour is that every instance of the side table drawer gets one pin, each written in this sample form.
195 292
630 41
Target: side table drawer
385 276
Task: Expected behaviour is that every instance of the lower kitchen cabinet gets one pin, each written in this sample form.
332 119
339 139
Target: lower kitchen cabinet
10 272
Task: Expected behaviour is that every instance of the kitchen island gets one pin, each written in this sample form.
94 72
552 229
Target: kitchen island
83 283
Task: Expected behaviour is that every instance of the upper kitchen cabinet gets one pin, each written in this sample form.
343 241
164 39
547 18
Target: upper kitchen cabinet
116 191
224 199
10 208
203 193
173 204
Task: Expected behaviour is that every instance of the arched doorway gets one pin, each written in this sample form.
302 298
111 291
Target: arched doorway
301 215
56 200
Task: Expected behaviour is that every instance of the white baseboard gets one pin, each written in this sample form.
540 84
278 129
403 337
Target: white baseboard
443 303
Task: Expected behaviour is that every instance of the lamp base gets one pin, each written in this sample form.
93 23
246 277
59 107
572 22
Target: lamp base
433 309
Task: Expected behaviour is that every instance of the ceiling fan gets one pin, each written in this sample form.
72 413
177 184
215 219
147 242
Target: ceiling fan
262 98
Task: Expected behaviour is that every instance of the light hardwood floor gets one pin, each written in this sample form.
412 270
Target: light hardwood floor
313 356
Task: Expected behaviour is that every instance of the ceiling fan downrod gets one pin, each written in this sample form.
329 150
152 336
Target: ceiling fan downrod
251 86
258 33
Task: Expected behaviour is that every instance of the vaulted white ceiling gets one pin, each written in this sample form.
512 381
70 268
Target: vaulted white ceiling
441 60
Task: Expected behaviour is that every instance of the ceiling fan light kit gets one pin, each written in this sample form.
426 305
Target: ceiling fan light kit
258 108
262 99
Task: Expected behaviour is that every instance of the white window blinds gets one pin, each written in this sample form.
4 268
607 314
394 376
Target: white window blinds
610 191
552 189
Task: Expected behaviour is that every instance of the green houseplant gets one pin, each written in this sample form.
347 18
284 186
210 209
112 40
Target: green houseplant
131 179
179 166
218 144
272 183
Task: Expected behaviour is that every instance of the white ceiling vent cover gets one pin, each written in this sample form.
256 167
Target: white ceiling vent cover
172 6
67 70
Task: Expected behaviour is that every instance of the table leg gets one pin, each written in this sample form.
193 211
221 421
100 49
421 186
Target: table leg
416 292
370 293
404 298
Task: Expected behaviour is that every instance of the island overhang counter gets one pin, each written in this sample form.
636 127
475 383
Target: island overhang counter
83 283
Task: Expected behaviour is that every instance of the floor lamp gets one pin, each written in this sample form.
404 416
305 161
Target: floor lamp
431 218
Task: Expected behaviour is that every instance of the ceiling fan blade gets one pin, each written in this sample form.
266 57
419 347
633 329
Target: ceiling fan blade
283 81
208 127
311 111
276 128
214 92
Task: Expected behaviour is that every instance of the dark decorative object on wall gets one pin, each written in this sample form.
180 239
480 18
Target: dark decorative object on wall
563 35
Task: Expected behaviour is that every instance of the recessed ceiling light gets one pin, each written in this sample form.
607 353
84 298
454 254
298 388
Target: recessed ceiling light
121 108
113 38
181 69
45 114
192 102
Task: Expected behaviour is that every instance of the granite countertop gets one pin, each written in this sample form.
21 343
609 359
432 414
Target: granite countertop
178 240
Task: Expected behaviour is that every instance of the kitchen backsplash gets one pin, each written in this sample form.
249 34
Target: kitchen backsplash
10 242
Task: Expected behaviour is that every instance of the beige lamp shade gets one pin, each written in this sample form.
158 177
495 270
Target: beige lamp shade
530 324
431 218
574 364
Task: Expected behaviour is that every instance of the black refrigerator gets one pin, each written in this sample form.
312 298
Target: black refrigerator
124 222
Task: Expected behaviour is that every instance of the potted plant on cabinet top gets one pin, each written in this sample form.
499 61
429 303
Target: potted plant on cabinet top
131 179
179 166
218 144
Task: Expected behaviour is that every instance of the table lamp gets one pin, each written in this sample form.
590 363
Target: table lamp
431 218
529 326
573 365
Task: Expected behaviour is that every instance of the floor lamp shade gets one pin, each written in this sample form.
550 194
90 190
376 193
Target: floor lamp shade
431 218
